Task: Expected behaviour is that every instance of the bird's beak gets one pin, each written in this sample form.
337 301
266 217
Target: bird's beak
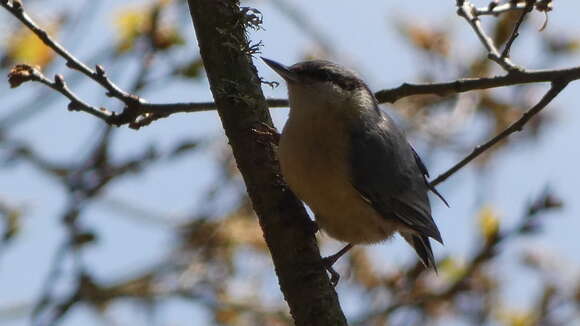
281 70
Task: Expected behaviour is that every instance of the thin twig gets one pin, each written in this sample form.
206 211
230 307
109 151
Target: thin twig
98 75
468 84
22 73
555 89
466 10
171 108
515 33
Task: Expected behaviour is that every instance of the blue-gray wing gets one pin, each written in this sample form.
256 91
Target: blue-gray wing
387 172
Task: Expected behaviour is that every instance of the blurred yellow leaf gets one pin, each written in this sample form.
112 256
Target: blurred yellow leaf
135 22
562 45
24 46
12 222
167 37
451 268
130 24
226 316
577 294
488 223
517 318
504 27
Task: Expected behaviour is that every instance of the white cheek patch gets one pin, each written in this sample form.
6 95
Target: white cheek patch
324 96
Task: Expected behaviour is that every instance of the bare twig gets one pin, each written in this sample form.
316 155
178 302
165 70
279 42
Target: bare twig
515 33
466 10
22 73
98 75
555 89
171 108
469 84
392 95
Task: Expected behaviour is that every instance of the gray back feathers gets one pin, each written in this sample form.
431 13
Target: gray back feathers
387 171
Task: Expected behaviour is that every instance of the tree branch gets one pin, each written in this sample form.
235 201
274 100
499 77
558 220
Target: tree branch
528 8
467 10
555 89
23 73
98 75
469 84
171 108
220 30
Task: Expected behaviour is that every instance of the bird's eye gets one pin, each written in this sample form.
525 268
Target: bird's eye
320 75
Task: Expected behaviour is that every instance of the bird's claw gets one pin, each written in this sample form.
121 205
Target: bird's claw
334 276
327 262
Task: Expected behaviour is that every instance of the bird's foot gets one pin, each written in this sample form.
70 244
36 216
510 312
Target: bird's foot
266 133
329 261
334 276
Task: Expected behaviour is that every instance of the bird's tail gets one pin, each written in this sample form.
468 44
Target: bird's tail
422 246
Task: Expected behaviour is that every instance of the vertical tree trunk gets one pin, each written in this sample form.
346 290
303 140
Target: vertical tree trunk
220 29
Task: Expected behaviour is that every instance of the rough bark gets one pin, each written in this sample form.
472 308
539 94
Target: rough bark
220 30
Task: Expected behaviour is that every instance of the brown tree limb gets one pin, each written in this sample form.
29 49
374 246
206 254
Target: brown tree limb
220 30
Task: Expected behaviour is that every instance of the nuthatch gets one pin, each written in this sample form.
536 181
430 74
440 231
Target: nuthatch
350 163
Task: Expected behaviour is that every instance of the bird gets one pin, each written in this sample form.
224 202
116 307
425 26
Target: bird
351 164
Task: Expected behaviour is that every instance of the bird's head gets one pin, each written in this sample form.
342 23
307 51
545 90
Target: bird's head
321 82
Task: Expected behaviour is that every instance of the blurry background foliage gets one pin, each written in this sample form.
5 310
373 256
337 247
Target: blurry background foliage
104 225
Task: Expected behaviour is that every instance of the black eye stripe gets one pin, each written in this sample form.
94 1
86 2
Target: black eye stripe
327 73
345 82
